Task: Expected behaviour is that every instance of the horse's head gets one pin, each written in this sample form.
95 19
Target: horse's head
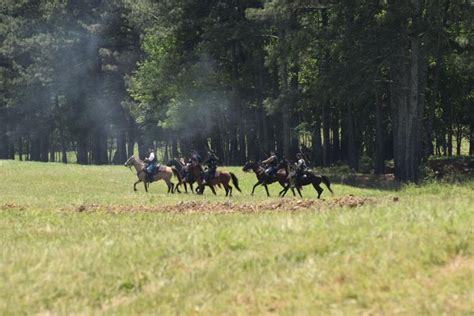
249 165
283 164
129 162
175 162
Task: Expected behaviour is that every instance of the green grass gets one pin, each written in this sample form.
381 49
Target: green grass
414 256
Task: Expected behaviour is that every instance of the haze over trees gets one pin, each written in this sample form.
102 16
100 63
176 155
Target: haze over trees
348 79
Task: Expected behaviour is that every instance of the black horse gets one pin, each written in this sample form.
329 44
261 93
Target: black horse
264 180
307 179
183 170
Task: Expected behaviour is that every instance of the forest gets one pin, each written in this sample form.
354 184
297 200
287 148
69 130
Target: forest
347 80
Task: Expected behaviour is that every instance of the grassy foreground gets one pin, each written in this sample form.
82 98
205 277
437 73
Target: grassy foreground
414 256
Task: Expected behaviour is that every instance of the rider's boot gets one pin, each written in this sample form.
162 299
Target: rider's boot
149 177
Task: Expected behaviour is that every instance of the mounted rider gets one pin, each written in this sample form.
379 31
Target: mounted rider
272 164
194 161
211 163
195 158
301 168
151 164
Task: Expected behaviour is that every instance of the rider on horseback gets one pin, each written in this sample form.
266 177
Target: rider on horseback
301 168
211 163
150 164
271 163
195 158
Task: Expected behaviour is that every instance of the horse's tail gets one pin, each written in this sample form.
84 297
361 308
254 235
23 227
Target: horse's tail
327 183
177 174
235 181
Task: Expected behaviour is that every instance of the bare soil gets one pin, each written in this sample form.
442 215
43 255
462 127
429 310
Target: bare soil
287 205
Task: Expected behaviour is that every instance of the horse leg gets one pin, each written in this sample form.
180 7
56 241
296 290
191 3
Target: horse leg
185 188
266 189
282 192
256 184
299 191
135 185
171 187
318 188
212 189
146 186
228 189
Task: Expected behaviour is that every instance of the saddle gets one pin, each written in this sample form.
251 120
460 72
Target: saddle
158 168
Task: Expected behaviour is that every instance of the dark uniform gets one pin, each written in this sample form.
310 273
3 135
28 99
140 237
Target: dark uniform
195 158
301 168
211 163
272 164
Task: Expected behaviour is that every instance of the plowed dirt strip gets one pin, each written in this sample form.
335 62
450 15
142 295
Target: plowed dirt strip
187 207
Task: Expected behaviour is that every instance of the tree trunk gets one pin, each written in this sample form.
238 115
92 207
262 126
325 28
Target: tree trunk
11 151
352 152
459 132
285 111
99 148
428 143
264 139
82 151
242 142
121 154
406 69
336 148
316 144
326 135
4 140
44 151
52 153
379 160
471 139
35 148
174 147
20 148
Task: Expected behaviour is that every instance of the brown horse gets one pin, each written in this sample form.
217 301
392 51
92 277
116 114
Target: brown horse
264 179
221 178
165 173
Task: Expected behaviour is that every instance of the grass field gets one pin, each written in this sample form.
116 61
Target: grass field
410 256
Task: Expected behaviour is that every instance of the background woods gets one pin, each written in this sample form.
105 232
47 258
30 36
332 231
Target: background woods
351 80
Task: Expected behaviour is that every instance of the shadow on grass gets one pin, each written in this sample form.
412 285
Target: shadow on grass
384 182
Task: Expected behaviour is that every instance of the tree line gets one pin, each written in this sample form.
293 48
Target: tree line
347 80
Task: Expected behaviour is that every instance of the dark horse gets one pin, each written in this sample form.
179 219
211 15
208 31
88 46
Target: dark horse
221 178
307 179
186 176
263 179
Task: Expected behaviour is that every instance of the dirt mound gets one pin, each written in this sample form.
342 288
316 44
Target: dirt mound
10 206
186 207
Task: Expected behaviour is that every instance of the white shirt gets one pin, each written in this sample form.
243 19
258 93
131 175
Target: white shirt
152 157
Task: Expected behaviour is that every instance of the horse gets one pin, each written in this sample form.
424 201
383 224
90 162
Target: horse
264 179
183 169
165 173
309 178
221 178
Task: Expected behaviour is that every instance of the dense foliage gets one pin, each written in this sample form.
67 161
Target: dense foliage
350 80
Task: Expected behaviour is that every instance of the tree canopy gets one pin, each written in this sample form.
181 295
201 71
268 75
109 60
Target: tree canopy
349 80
